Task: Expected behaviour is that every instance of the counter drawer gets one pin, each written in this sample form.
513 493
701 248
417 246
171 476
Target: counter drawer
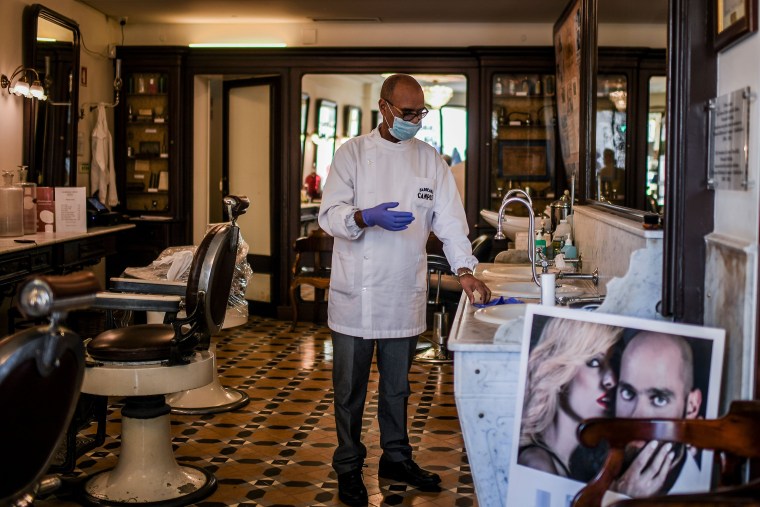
16 267
491 373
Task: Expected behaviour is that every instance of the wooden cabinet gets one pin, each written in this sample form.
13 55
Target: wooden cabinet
148 137
522 133
147 152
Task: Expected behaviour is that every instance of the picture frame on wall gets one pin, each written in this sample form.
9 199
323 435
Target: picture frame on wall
582 365
734 20
525 160
568 51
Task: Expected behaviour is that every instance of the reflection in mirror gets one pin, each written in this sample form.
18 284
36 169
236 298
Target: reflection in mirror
51 46
656 137
611 138
444 127
624 173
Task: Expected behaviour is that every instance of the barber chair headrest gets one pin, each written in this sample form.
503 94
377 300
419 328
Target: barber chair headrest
236 206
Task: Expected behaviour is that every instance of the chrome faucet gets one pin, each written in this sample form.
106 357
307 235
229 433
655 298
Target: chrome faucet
504 203
531 228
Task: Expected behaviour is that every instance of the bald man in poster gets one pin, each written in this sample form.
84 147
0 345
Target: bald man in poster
657 381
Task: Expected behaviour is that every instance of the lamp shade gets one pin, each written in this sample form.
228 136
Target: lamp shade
437 96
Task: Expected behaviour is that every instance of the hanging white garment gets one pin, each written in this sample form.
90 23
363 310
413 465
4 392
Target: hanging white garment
102 172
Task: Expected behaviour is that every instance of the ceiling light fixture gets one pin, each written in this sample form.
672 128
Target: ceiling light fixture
18 84
437 96
238 45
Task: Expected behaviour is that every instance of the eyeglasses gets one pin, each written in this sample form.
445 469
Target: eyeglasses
410 114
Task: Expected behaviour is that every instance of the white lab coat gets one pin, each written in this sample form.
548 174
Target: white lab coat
102 172
378 280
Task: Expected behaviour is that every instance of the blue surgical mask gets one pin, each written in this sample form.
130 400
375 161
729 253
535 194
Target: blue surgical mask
402 129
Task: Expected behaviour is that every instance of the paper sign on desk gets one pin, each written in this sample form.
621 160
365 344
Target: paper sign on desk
70 209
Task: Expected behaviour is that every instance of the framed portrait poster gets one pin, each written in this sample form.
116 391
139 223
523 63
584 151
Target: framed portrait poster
577 365
734 20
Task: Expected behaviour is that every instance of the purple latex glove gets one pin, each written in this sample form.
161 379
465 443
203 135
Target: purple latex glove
381 216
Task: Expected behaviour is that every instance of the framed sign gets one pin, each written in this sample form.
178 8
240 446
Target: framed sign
525 160
578 365
734 20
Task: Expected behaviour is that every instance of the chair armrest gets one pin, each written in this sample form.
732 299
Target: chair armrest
137 302
163 287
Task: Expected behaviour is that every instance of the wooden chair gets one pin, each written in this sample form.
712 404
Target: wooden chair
734 437
310 267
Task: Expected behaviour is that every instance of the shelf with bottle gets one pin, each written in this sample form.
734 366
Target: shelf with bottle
524 85
147 84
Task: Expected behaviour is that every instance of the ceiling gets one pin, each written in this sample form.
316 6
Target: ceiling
387 11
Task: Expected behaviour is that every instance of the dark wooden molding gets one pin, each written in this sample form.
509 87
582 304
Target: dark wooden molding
689 206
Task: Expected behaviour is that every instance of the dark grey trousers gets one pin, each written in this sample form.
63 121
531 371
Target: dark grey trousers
352 360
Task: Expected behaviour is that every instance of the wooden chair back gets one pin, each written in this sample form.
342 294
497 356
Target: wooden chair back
734 437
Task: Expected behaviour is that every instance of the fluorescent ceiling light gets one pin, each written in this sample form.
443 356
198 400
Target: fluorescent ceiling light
239 45
45 39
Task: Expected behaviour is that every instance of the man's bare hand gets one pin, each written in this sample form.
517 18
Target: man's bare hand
470 285
648 471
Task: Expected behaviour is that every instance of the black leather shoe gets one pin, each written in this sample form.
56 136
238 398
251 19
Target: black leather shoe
351 490
408 471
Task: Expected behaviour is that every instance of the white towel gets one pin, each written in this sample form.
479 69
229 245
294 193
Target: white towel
102 171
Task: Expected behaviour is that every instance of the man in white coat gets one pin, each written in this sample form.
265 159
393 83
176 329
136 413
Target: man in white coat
378 283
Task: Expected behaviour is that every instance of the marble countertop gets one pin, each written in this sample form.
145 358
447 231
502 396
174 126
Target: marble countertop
468 333
15 244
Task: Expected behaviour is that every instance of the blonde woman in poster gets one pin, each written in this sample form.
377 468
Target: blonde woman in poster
570 378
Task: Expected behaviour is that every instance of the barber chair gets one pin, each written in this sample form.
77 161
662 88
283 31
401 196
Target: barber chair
41 372
146 362
437 267
734 437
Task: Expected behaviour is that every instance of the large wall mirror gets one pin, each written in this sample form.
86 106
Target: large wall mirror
627 174
51 46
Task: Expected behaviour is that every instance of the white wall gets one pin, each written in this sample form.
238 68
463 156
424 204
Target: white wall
731 268
97 32
386 34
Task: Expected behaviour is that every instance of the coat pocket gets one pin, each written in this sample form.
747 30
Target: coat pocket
342 276
424 192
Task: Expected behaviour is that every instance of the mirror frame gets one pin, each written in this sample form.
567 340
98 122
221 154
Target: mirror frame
31 16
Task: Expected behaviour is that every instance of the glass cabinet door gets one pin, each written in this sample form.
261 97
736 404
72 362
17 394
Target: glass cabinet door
147 143
523 137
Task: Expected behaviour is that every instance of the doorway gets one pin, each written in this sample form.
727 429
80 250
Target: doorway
235 153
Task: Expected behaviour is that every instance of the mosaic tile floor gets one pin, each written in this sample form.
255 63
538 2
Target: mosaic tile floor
276 451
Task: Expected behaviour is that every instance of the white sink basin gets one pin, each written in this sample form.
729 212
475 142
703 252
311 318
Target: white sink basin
529 290
513 272
510 224
500 314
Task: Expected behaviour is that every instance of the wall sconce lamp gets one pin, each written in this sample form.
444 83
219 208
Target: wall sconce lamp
18 83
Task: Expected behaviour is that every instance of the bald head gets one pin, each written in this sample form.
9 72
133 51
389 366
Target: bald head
405 83
657 378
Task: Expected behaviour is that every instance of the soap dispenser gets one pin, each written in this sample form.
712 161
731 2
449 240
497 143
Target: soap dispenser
569 249
11 207
29 191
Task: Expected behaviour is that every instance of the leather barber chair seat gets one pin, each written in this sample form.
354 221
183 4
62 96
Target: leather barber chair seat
41 372
145 362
